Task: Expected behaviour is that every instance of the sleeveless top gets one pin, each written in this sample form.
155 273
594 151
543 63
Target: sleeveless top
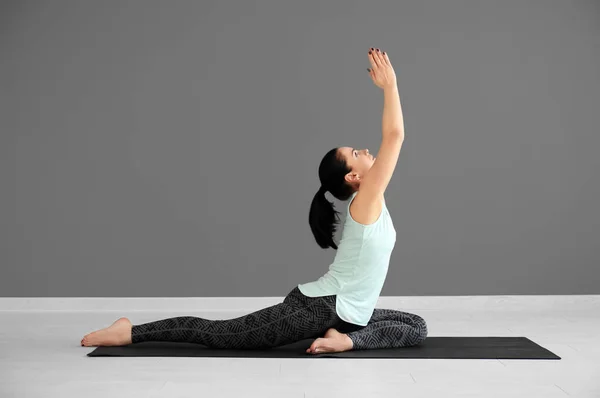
359 268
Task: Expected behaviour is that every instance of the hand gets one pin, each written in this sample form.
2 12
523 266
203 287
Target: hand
381 70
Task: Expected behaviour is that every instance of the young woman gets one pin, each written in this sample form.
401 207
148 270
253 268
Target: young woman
338 309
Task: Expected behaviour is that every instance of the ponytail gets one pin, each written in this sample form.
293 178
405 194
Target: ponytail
322 219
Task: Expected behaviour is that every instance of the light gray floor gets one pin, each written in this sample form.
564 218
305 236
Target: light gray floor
40 356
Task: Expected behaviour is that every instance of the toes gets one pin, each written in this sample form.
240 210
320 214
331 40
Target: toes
318 346
315 345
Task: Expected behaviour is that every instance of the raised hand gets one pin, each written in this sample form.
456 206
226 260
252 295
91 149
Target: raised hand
381 70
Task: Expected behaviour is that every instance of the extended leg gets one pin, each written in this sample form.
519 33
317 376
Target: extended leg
270 327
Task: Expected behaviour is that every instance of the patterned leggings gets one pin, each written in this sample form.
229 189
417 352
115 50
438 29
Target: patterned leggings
297 318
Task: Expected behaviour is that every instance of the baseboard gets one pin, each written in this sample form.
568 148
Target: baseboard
248 304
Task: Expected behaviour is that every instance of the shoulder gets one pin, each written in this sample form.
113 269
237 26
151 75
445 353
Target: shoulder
365 211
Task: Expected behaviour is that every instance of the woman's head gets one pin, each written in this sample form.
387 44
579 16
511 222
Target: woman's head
340 172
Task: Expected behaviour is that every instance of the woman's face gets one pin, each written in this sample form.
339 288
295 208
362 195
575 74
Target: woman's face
359 160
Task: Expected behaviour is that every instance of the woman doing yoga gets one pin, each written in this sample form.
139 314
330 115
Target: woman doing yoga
337 310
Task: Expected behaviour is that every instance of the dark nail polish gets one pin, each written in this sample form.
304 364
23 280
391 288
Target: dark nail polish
369 52
377 50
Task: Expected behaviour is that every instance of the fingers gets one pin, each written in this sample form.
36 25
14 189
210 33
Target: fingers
372 60
377 58
371 74
386 59
380 64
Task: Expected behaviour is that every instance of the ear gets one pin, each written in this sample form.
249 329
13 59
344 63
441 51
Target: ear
350 177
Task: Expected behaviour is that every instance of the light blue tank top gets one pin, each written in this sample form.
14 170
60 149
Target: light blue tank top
359 268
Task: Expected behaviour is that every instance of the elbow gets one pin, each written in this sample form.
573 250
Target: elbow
397 133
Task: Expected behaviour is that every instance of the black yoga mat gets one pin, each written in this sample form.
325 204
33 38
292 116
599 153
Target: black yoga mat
432 347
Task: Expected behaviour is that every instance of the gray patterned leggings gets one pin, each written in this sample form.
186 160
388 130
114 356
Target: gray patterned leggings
297 318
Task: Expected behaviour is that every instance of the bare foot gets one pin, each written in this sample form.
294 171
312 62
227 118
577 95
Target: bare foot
119 333
333 341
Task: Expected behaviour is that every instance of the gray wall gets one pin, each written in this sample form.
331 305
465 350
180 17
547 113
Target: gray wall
158 148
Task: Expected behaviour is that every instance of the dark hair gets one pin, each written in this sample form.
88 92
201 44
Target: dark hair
322 215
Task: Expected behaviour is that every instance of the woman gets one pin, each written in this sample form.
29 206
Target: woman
337 309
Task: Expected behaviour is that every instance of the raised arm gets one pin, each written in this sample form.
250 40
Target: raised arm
377 179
